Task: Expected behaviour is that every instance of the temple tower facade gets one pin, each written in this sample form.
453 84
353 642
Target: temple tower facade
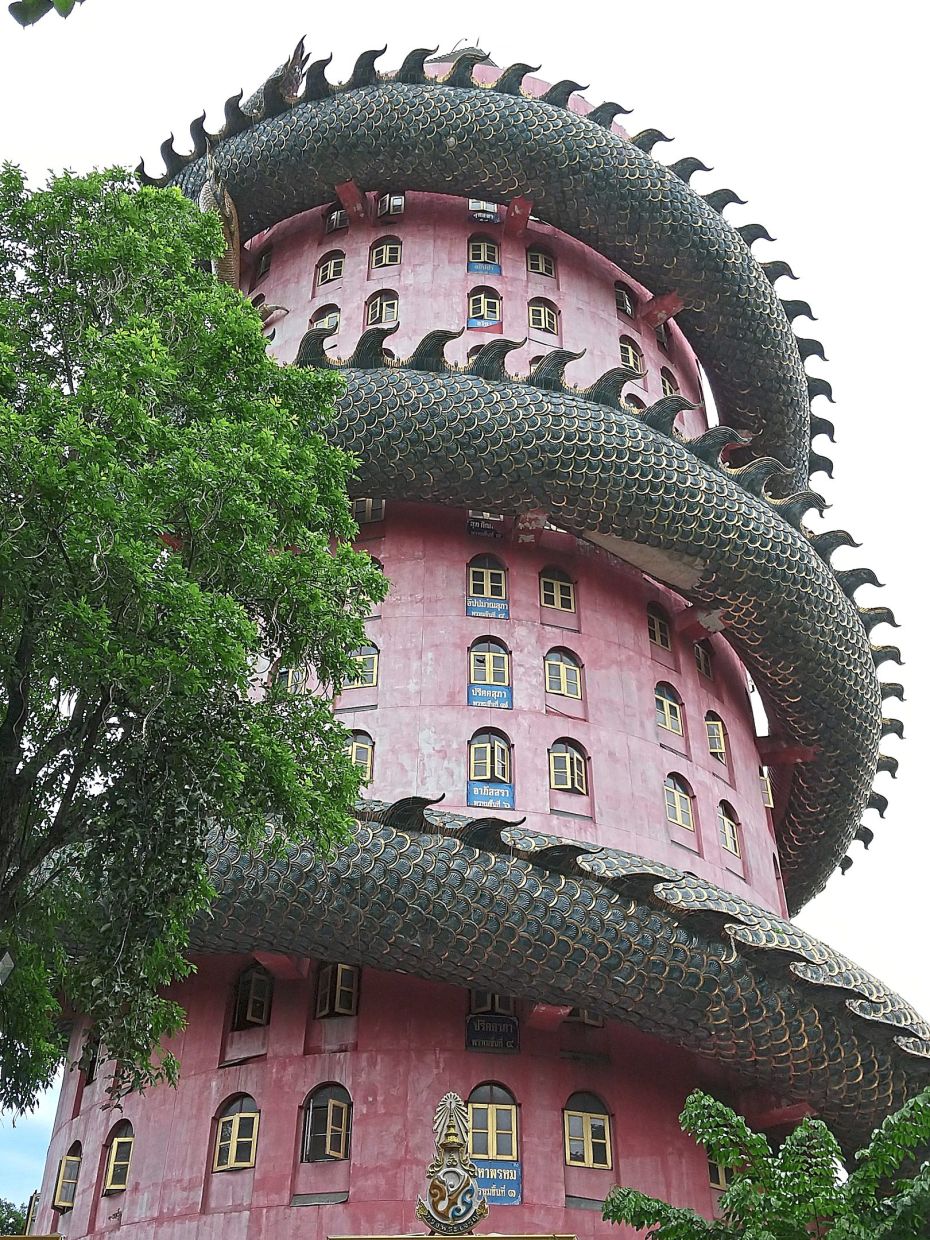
537 690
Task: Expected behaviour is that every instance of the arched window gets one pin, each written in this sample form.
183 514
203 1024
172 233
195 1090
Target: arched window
587 1132
366 510
484 251
337 218
326 316
556 589
484 307
236 1134
540 262
327 1124
254 990
625 300
382 308
261 268
258 300
660 633
765 781
488 663
366 668
669 382
361 749
631 355
704 658
543 316
487 577
474 351
668 709
292 679
568 767
716 736
69 1169
489 758
330 268
663 337
728 825
563 674
385 252
678 802
492 1118
119 1156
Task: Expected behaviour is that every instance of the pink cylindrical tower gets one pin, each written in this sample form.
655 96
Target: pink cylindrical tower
552 697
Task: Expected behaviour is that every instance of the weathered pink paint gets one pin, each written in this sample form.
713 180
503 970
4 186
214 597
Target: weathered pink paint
406 1047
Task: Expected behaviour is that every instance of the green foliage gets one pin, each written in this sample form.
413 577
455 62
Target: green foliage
28 12
801 1191
171 523
12 1218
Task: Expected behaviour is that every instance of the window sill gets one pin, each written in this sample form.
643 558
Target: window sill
319 1199
671 749
567 813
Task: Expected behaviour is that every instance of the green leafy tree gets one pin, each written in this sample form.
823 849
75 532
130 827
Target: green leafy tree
28 12
173 528
801 1191
12 1218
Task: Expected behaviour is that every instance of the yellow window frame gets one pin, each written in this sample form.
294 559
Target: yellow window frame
483 252
69 1170
484 306
768 798
330 271
563 678
540 263
119 1158
362 753
669 384
623 300
554 592
337 220
258 999
331 320
487 1001
391 204
543 318
567 771
490 667
583 1016
720 1177
230 1124
631 356
702 657
659 632
366 671
387 254
678 807
492 757
365 510
668 714
588 1139
729 832
495 1112
382 309
487 582
716 739
337 1128
337 990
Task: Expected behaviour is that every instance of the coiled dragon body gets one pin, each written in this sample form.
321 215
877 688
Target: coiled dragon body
731 540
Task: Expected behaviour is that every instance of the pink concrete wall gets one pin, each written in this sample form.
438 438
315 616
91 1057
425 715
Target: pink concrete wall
403 1051
421 725
433 283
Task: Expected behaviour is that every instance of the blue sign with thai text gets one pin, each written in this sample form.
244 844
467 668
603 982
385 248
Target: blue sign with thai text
498 608
490 796
499 696
487 325
486 269
490 215
501 1182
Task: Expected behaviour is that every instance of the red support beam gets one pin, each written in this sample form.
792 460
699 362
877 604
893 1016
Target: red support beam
697 622
773 752
659 309
352 199
285 968
517 217
546 1015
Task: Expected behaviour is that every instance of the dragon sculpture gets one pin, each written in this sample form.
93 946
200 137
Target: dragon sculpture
591 927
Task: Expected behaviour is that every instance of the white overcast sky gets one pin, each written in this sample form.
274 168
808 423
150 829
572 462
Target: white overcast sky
813 111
